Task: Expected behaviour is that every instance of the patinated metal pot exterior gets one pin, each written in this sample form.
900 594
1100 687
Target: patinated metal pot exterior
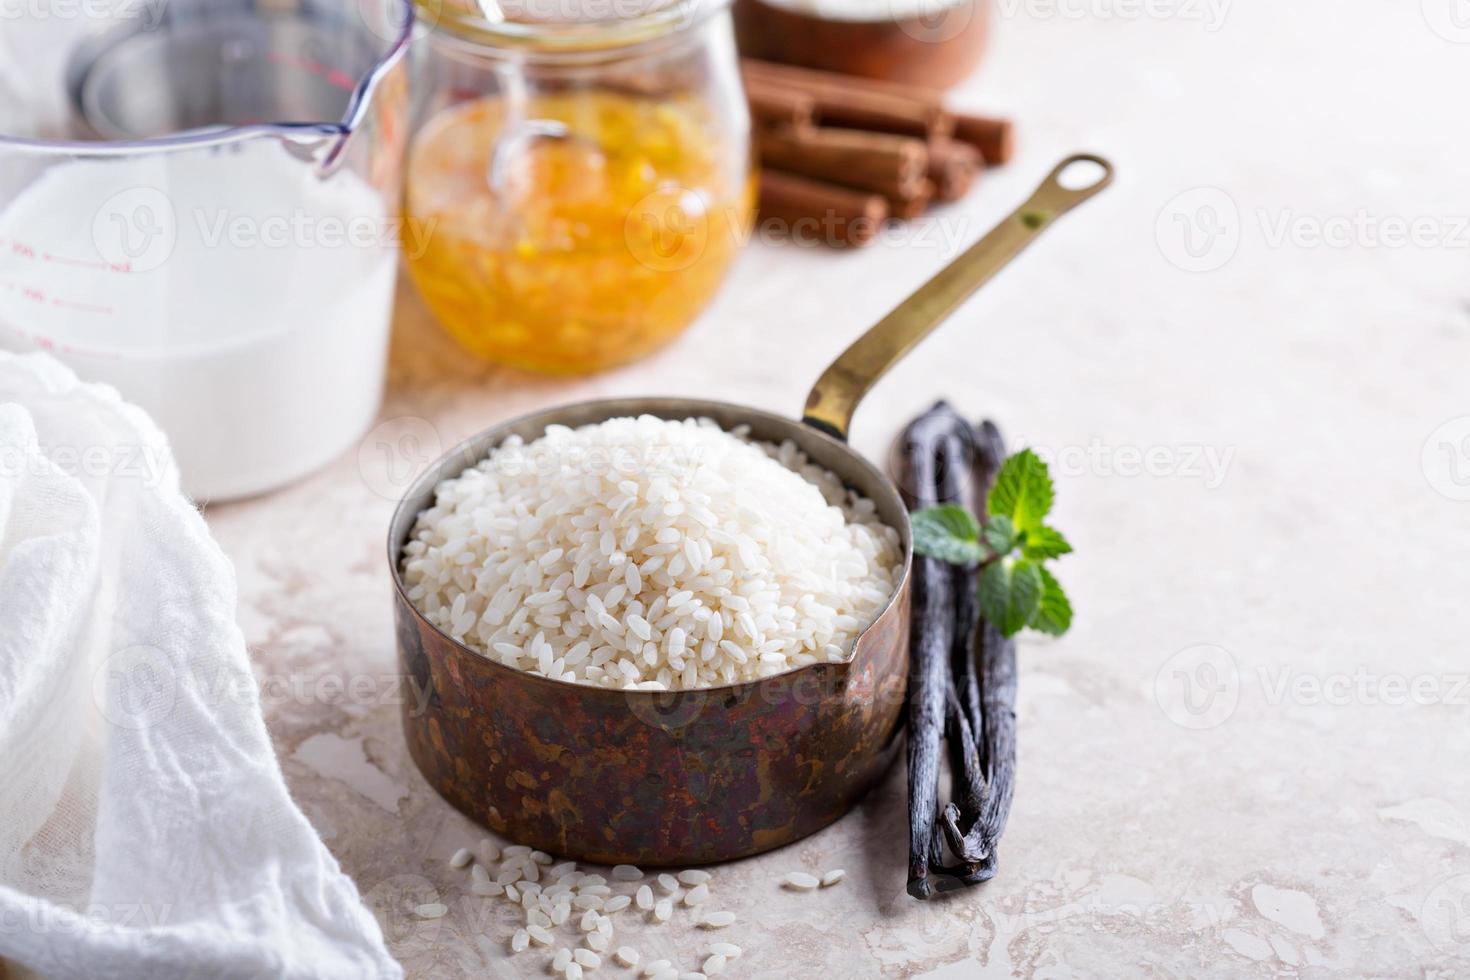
653 778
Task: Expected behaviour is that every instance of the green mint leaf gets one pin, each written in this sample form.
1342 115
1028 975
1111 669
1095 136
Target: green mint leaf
1022 491
1044 542
947 532
1010 594
999 535
1053 615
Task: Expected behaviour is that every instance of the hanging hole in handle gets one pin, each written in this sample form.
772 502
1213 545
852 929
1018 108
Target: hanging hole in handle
1071 182
1083 172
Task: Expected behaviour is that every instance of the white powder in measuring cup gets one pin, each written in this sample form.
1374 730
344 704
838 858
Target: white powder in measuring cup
232 293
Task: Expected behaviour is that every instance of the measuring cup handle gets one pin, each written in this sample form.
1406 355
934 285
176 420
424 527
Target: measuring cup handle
837 392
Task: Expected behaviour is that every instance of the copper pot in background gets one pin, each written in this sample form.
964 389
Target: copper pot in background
934 51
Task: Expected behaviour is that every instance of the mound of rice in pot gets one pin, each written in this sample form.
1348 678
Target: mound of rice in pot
651 554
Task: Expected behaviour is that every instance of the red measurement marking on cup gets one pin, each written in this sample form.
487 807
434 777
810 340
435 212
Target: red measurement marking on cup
123 267
45 343
25 251
335 77
66 304
30 294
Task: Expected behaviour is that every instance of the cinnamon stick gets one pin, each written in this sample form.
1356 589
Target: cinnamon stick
773 105
894 166
859 103
953 167
994 138
914 206
813 209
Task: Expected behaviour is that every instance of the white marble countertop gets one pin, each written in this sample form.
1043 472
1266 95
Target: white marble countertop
1249 756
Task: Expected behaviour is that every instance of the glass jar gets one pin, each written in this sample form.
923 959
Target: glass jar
578 186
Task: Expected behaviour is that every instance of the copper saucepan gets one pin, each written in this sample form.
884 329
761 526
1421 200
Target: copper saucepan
691 777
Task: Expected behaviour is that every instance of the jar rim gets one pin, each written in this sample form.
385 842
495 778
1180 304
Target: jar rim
634 22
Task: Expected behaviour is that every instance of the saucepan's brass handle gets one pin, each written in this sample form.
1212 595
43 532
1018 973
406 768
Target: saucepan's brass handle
836 395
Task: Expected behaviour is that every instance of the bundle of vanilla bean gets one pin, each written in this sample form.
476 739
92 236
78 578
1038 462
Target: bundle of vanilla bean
850 153
962 672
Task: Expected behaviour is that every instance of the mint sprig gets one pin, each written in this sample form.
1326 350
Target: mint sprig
1012 547
1054 615
947 532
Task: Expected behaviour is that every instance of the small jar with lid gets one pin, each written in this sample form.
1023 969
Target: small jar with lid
580 179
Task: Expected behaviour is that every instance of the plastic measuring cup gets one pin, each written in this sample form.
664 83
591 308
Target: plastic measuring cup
198 205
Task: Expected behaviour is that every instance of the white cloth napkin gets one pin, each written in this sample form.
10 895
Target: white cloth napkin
145 828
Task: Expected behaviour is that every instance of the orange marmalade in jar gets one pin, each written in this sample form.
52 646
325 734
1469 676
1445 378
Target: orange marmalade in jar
577 190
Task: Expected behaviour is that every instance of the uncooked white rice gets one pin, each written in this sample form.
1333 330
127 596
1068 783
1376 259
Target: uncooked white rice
651 554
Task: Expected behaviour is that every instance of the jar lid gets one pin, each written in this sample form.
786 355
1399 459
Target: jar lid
563 25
